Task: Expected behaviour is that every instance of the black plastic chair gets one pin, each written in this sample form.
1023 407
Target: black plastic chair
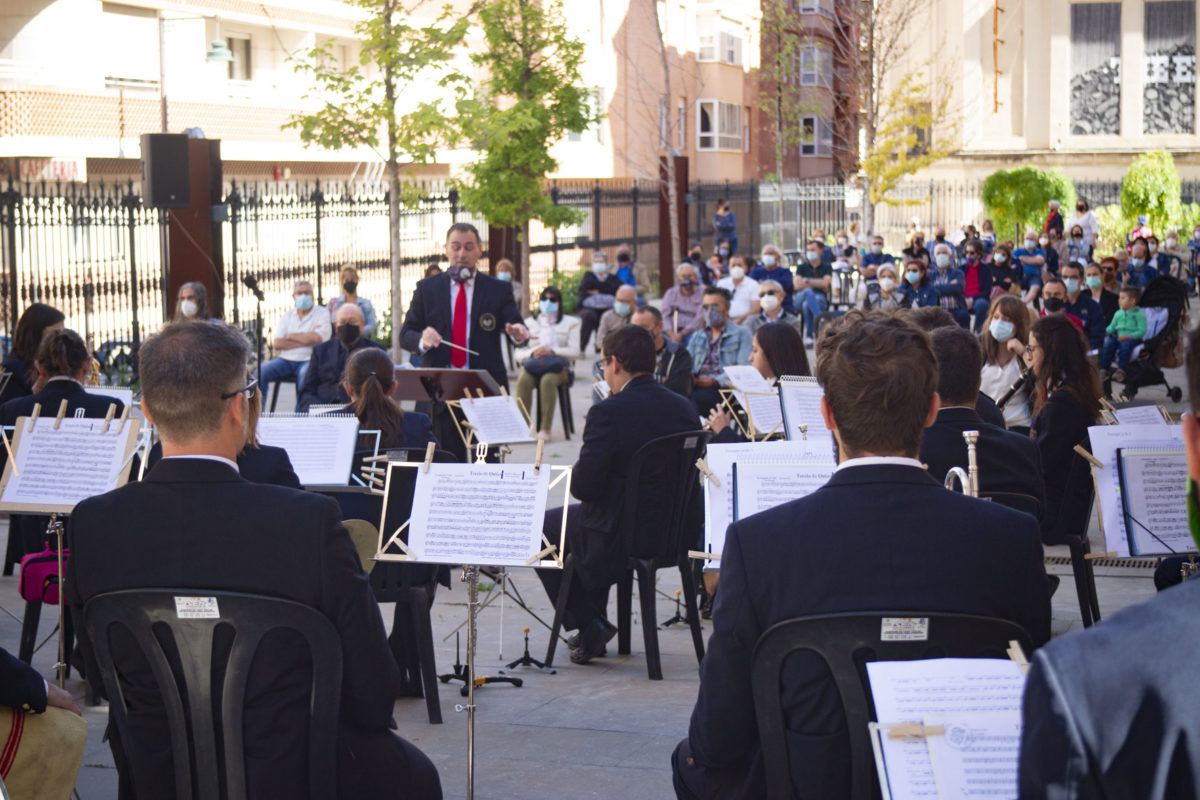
564 404
1074 518
1025 503
188 694
275 389
846 642
659 491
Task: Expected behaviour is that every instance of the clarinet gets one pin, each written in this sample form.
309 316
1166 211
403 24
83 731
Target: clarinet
1027 378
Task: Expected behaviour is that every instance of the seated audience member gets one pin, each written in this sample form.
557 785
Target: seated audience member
192 304
1006 273
298 331
673 367
949 283
624 302
977 281
916 249
370 381
1081 305
632 273
845 250
939 239
257 462
772 267
1140 271
880 379
1094 276
1031 259
714 270
770 301
778 350
875 258
1054 301
917 290
547 359
1066 401
349 276
1008 462
1105 712
142 536
433 269
322 382
813 281
718 345
31 328
742 289
596 291
681 304
638 410
882 291
504 272
931 318
1125 332
1004 341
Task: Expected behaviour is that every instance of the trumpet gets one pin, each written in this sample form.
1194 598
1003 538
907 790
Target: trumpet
968 479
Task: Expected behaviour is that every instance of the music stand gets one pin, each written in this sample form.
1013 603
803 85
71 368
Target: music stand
441 385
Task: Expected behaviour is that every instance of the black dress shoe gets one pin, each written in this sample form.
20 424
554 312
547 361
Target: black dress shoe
592 641
573 644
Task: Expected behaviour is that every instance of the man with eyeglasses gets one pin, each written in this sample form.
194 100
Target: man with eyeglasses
718 345
770 300
674 366
197 525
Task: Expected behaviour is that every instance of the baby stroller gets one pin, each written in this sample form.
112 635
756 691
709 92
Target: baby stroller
1165 305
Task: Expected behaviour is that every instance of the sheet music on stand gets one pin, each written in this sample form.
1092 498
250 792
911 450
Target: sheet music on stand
122 393
317 409
496 420
760 486
1154 500
321 448
757 398
964 717
1105 441
54 469
1139 415
800 403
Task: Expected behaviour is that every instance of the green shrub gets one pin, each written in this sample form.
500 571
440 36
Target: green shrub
568 284
1152 187
1114 227
1016 199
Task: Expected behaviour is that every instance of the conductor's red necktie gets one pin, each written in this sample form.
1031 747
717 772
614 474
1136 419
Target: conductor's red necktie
458 329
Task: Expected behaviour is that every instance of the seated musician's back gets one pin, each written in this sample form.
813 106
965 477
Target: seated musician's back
880 535
195 523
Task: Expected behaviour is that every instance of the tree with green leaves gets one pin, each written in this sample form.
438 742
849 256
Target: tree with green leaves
780 96
529 98
362 106
1152 187
1017 199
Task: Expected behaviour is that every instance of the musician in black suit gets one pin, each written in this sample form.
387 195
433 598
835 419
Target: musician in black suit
1110 711
639 409
1008 462
322 382
23 689
881 513
465 308
195 523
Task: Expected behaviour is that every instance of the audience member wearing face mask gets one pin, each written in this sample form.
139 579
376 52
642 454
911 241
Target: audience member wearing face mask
813 281
770 301
773 267
742 288
349 278
681 304
299 330
547 359
322 383
718 345
596 291
882 291
506 272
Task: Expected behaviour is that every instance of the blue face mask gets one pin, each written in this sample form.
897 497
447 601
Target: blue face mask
304 302
504 276
1072 285
1137 263
548 307
621 309
912 276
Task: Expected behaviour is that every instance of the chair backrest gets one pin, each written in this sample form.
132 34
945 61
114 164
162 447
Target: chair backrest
846 642
1075 513
1025 503
660 488
148 614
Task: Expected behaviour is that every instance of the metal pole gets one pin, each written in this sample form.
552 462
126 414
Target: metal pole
318 200
634 198
235 205
162 71
596 216
471 576
11 198
131 202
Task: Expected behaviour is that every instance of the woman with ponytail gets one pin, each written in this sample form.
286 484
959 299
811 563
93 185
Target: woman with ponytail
370 381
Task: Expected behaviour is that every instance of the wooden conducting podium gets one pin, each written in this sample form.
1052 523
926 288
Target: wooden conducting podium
431 389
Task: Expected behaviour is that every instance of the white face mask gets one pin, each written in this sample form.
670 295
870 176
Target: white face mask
1171 243
1001 330
1044 241
599 267
842 241
1153 246
942 260
768 260
887 284
999 258
189 308
769 302
737 273
1029 244
876 249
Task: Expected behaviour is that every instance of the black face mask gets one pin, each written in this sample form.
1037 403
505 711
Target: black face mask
695 257
1052 304
622 259
350 286
348 334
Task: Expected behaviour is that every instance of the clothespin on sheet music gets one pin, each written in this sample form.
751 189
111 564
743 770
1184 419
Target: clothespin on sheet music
549 549
1107 405
537 459
480 393
1166 414
1088 457
803 431
62 412
1017 654
702 465
33 418
700 555
504 391
12 458
429 449
108 418
123 420
913 730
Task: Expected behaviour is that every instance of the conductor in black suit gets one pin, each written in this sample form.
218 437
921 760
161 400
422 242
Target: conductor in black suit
1111 711
195 523
464 308
1007 461
639 409
880 535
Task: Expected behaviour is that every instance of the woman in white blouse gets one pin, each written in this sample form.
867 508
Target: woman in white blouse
1005 338
548 359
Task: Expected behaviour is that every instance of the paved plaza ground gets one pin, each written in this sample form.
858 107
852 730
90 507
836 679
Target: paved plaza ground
597 731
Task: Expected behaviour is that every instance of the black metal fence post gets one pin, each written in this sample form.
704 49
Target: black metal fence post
131 203
235 208
755 242
13 289
633 200
318 200
596 237
554 231
453 197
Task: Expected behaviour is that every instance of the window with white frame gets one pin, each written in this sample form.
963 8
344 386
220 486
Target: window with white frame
824 7
240 69
681 127
706 32
816 65
718 125
594 132
731 48
816 137
135 64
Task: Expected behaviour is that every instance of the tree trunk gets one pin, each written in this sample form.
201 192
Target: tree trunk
672 194
393 170
526 268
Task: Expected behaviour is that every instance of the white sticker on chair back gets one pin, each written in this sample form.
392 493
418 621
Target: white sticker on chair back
196 608
904 629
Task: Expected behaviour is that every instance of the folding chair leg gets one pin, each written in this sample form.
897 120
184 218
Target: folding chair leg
560 607
624 612
1094 597
29 629
1079 569
646 596
692 609
419 610
564 405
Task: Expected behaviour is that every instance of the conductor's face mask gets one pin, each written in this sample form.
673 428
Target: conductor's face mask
461 274
348 334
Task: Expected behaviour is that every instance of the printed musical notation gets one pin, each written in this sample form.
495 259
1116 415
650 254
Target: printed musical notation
59 468
1154 500
321 448
478 513
497 420
800 401
761 487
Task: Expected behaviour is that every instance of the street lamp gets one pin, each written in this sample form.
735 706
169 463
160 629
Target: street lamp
217 51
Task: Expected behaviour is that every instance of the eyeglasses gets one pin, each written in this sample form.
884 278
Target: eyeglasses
248 389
